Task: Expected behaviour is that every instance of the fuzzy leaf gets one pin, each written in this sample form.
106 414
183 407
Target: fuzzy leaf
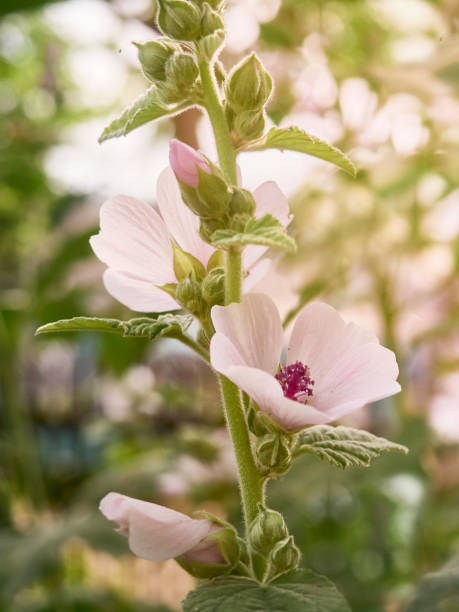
438 590
297 591
345 446
142 327
267 231
147 107
294 139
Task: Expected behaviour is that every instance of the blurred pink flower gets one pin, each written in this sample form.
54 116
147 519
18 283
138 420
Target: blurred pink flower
333 367
157 533
185 161
135 243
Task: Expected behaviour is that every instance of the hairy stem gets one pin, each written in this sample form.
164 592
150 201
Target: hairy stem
250 481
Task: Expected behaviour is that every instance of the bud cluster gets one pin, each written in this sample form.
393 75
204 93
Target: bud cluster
273 549
248 89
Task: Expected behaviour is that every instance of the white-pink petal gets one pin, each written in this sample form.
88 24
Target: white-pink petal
139 295
255 330
155 533
271 201
180 221
185 162
133 239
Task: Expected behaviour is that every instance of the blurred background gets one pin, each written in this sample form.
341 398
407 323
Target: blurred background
81 415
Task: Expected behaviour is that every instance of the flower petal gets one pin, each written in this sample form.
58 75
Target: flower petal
185 162
256 274
364 374
155 533
138 295
320 337
180 221
271 201
254 328
133 239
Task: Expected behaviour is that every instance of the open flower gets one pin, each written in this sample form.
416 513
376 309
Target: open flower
157 533
332 367
135 243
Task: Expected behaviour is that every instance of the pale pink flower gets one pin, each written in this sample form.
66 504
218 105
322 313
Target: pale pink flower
332 367
185 161
135 243
157 533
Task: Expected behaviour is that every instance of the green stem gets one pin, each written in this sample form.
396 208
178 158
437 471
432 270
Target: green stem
250 481
233 276
225 149
192 344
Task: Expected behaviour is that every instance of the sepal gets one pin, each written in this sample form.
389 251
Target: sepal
213 287
153 56
186 265
188 294
179 19
211 198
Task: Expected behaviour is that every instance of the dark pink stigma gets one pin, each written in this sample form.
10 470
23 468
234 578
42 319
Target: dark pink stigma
296 381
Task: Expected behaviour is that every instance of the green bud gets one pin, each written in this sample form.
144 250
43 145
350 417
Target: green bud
188 295
211 197
266 530
153 56
208 226
179 19
242 202
249 124
261 423
215 4
284 557
185 265
274 453
182 70
249 85
211 20
213 287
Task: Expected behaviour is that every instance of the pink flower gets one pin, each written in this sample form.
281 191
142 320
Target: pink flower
185 161
333 367
135 243
157 533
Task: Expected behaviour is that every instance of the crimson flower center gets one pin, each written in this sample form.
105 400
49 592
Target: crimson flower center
296 381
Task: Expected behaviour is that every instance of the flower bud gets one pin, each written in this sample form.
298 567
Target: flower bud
153 56
181 74
211 197
188 295
249 85
185 162
213 287
249 125
274 453
211 20
266 530
242 202
185 265
210 225
179 19
284 557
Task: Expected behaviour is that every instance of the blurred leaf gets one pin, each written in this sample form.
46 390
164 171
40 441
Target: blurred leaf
294 139
267 231
143 327
147 107
439 591
300 590
345 446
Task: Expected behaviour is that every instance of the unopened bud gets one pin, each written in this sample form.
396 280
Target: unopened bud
284 557
213 287
249 124
249 85
242 202
266 530
210 199
185 162
208 226
188 295
186 265
153 56
211 20
274 453
181 74
179 19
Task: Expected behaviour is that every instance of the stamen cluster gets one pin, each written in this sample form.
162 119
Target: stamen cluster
296 381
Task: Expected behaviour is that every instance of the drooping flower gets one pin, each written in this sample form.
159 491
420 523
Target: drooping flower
332 367
157 533
135 242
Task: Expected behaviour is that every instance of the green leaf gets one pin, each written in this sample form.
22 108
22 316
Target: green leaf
266 231
438 591
345 446
294 139
297 591
142 327
148 107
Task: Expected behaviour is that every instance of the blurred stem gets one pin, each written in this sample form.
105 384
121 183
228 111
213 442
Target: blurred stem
250 481
192 344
